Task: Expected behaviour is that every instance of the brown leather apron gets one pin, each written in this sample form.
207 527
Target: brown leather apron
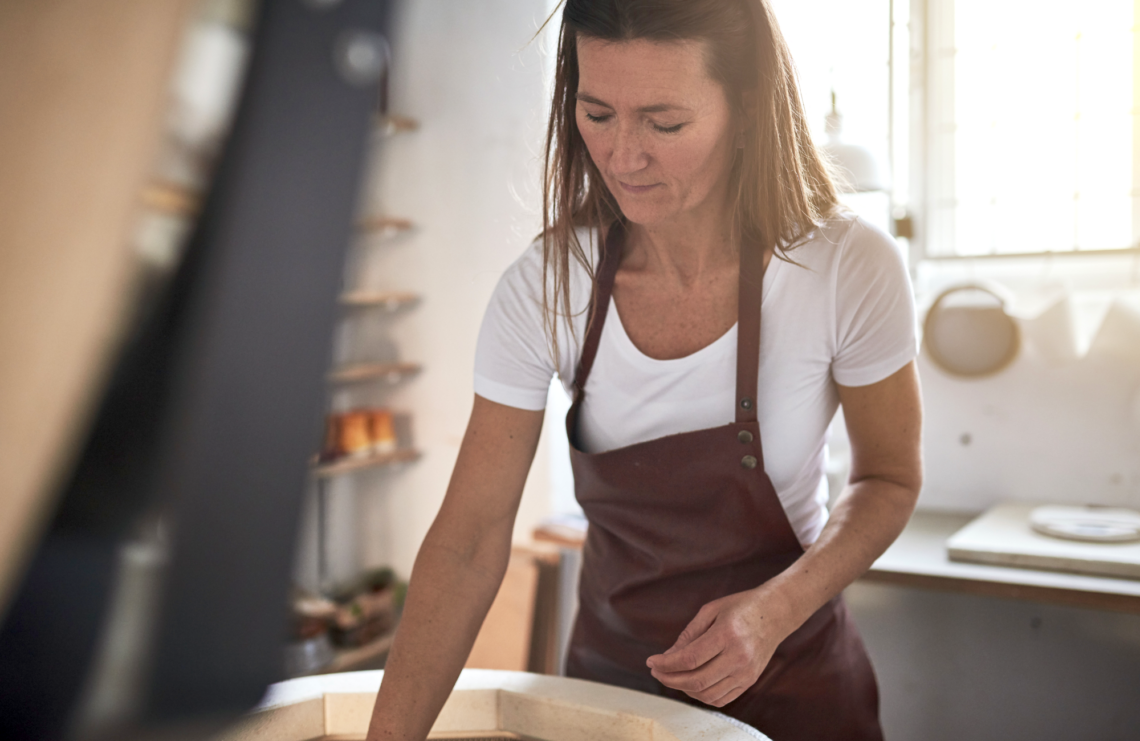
682 520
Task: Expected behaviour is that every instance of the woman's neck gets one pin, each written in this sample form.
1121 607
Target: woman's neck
685 249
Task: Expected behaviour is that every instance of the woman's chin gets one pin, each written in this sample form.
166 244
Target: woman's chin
644 214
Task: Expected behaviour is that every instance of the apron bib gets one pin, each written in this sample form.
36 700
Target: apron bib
682 520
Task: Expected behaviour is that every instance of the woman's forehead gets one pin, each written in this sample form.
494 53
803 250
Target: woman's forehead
643 73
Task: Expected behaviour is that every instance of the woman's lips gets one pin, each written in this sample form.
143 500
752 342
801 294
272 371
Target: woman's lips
637 188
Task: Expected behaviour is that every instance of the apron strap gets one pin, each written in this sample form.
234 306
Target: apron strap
748 319
603 289
748 330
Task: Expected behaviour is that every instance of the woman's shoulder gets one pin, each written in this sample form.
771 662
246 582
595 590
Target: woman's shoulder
527 271
845 239
515 324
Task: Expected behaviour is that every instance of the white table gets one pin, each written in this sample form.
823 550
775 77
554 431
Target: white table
918 559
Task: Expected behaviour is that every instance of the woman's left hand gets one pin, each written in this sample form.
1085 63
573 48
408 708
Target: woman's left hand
723 650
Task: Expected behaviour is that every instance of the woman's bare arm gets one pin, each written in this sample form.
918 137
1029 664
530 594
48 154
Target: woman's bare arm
723 650
458 570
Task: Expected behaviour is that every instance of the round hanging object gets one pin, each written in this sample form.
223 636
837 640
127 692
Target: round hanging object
968 333
1090 524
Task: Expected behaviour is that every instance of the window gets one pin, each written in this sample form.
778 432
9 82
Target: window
1031 136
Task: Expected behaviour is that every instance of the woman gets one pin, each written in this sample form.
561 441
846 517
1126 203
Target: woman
684 196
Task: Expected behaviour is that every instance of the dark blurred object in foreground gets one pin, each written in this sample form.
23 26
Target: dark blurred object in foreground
211 410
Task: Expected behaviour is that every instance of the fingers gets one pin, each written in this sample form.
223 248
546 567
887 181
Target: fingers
697 627
719 654
677 659
728 697
712 685
700 680
721 693
693 656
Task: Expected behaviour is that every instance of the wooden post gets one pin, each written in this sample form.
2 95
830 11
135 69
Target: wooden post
84 85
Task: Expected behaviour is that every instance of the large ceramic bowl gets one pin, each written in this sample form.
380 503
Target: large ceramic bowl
489 705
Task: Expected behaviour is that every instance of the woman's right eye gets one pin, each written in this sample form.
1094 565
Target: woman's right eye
596 119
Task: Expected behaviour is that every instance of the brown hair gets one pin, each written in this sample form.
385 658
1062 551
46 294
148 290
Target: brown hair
781 186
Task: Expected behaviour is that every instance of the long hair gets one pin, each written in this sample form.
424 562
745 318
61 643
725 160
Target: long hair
781 187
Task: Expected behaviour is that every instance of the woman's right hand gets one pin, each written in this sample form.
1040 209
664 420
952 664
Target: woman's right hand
458 570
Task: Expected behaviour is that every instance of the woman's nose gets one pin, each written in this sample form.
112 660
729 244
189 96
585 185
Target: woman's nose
628 153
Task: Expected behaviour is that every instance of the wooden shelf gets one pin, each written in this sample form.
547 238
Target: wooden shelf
377 460
390 300
171 199
391 372
384 226
179 200
395 124
351 659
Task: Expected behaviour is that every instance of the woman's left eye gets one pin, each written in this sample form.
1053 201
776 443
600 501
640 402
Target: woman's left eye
668 129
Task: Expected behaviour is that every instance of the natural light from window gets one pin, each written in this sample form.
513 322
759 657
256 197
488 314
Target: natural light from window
843 46
1044 128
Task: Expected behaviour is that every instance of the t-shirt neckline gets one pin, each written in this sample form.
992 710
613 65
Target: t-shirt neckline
723 344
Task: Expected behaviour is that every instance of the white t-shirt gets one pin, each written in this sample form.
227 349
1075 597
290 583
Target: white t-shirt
846 316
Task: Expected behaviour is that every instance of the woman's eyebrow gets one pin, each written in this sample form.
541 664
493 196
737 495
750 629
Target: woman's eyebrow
591 99
658 108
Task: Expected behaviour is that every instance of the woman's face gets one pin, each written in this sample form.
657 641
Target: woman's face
658 128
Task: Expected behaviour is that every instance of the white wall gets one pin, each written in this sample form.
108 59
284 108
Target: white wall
469 179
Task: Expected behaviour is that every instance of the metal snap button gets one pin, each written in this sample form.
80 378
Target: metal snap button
744 436
745 403
748 461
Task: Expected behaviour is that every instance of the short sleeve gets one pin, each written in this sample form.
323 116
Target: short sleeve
513 365
874 309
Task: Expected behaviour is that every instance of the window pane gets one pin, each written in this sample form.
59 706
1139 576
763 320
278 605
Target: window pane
1043 126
